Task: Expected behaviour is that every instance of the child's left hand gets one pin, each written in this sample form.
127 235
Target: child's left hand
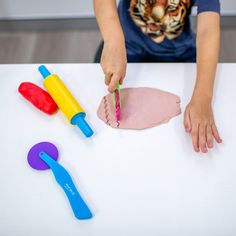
199 122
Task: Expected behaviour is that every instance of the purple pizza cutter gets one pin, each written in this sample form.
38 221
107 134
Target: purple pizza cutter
43 156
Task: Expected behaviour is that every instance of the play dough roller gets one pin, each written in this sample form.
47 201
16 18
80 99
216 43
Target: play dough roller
65 101
43 156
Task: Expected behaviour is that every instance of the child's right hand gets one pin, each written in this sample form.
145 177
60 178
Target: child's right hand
113 62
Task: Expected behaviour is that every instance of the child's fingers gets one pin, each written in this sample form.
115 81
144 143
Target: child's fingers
216 134
108 78
209 136
194 134
202 138
122 80
114 81
187 121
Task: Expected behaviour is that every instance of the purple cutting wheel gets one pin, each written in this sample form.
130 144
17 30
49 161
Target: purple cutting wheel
33 156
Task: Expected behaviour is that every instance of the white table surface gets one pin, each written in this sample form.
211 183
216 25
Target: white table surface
136 182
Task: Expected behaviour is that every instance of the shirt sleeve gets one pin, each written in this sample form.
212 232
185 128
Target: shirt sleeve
208 5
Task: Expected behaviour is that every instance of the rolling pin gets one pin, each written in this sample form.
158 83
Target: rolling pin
65 101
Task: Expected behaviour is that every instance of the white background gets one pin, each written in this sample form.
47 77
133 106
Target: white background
30 9
137 183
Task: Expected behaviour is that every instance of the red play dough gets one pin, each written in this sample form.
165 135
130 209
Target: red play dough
141 108
38 97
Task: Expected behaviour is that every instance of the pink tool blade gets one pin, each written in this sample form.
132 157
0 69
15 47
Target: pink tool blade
117 106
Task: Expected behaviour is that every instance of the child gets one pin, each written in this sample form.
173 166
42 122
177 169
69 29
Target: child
159 31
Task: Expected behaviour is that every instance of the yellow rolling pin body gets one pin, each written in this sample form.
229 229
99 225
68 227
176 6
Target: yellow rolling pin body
65 101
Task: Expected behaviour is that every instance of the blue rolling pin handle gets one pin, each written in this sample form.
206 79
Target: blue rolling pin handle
79 207
79 120
44 71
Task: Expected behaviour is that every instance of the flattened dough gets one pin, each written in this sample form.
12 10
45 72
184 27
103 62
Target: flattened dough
141 108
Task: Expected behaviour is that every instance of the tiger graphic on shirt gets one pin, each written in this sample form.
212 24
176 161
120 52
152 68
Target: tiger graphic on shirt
160 19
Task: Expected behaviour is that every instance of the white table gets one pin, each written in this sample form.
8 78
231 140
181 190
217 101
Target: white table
136 182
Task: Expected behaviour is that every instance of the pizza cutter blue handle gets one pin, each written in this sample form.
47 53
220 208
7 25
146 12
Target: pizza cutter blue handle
79 207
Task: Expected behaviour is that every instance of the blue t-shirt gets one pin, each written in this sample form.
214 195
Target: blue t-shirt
159 30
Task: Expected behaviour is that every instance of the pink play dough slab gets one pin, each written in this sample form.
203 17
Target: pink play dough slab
141 108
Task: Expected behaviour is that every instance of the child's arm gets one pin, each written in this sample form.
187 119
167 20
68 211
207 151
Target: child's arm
199 120
113 60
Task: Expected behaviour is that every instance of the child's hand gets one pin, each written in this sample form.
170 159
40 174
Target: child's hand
199 122
113 62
